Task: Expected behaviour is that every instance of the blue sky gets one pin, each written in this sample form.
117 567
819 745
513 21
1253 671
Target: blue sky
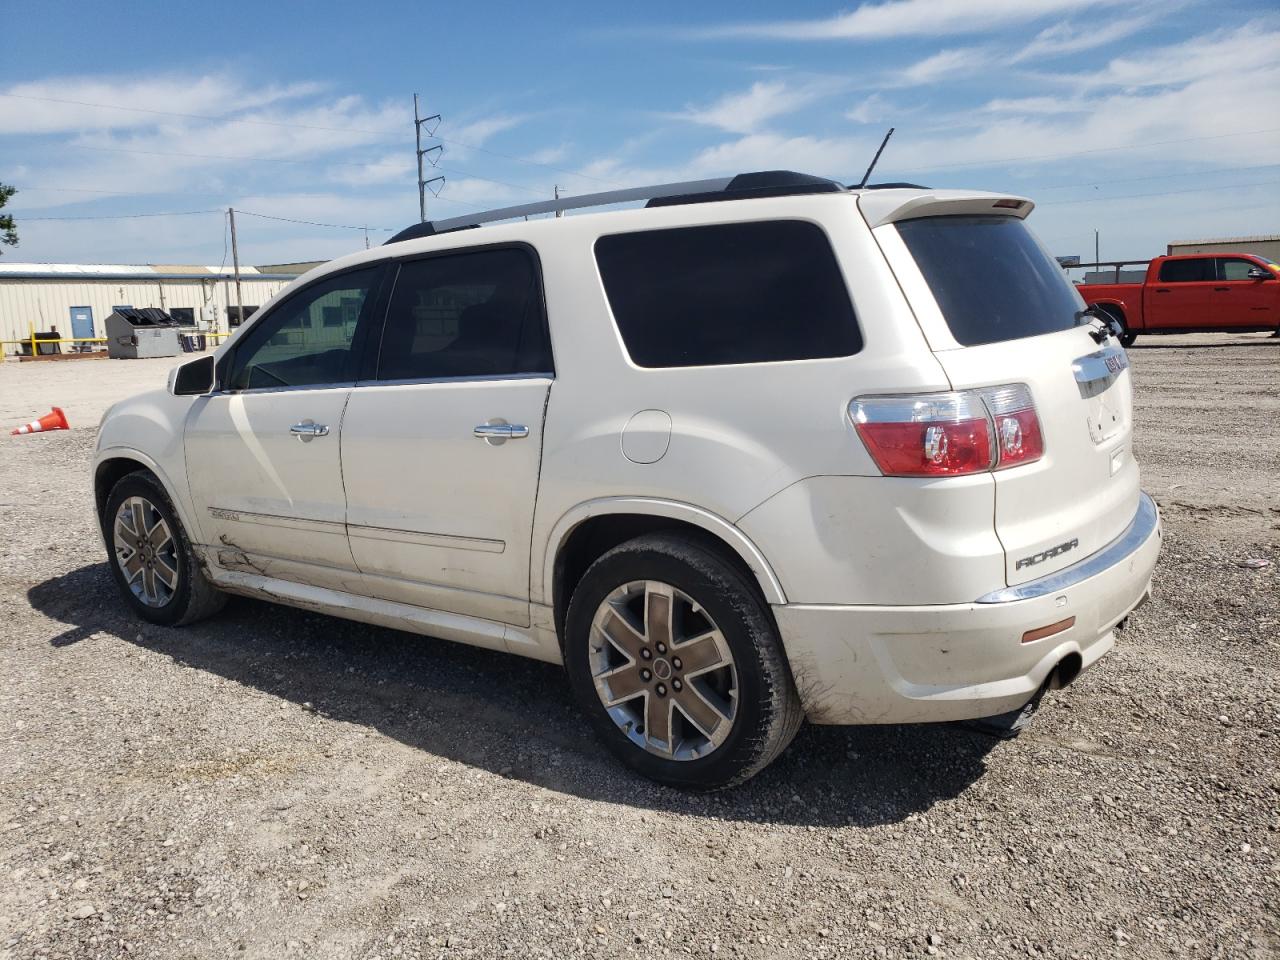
1149 122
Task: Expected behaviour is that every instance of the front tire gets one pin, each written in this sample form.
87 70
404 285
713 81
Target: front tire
676 660
150 555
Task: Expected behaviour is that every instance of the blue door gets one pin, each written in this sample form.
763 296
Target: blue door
81 322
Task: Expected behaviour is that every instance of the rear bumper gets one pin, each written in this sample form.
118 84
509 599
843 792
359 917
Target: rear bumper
918 664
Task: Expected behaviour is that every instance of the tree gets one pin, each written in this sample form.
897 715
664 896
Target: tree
8 229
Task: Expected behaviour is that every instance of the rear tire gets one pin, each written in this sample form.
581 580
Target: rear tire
675 658
1126 337
150 556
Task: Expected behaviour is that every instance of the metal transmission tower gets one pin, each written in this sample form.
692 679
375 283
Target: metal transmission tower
431 153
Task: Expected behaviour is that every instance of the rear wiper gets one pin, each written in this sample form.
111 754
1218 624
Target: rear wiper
1109 325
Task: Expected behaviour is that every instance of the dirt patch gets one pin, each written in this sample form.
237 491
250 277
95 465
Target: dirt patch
276 783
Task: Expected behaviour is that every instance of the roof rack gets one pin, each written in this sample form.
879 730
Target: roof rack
771 183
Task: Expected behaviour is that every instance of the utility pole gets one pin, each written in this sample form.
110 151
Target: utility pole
559 213
1096 257
438 149
235 260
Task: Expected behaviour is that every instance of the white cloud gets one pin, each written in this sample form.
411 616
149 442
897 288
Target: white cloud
1066 38
1038 106
1249 47
944 64
873 109
1060 39
476 132
70 104
904 18
392 168
549 154
749 110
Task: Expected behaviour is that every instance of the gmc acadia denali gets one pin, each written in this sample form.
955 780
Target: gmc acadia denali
766 449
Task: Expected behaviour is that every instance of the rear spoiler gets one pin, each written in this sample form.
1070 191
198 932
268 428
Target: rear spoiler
889 206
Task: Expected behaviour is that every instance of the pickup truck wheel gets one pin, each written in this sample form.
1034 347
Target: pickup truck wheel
151 557
677 662
1126 337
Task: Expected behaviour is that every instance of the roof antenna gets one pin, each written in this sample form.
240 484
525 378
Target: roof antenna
874 160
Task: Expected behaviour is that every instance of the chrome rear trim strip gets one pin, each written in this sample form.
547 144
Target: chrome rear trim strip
1104 363
1145 522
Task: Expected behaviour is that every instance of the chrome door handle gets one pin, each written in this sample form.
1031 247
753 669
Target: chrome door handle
308 430
497 433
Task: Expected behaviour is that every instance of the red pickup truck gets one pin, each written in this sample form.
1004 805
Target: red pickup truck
1191 294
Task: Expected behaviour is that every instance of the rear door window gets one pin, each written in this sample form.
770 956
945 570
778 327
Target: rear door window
727 294
471 314
1198 270
991 278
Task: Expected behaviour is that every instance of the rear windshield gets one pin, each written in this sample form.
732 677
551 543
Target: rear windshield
992 280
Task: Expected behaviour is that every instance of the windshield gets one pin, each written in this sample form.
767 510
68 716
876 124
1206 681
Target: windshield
991 278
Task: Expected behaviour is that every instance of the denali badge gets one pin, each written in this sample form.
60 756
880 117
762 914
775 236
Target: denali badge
1044 555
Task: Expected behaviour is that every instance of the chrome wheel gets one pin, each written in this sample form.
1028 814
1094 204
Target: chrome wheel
146 551
663 670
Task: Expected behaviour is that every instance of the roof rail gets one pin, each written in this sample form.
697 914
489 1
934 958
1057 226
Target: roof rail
773 183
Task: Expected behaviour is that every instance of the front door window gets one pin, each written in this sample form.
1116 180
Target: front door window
307 339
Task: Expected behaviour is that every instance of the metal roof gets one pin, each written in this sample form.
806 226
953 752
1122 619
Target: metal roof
129 271
1269 238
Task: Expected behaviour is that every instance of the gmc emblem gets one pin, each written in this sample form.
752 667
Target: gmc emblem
1044 555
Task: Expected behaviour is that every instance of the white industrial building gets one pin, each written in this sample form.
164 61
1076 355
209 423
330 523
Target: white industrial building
76 299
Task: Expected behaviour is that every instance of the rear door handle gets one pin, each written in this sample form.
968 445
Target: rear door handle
308 430
1221 289
497 433
1162 289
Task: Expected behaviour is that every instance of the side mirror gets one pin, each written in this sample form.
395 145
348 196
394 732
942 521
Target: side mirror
192 379
1257 273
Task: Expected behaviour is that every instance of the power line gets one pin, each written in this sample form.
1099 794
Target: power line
1164 193
224 244
349 226
300 126
1052 186
314 223
295 160
122 216
1081 153
1158 176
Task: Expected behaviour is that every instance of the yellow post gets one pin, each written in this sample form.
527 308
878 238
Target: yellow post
31 329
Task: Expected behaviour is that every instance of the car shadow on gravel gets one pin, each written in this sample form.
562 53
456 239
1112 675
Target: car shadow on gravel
515 717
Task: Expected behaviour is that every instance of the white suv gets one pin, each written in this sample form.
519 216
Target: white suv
767 449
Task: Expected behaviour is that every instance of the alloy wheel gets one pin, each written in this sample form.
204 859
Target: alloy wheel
663 670
146 551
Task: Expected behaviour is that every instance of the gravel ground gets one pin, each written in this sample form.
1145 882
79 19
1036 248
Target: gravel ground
275 783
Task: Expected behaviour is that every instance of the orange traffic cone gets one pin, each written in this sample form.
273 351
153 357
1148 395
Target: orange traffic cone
50 421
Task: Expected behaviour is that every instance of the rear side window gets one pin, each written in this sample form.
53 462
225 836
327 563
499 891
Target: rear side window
475 314
728 293
991 279
1187 271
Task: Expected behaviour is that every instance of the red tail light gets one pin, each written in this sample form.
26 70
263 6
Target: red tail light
950 434
1015 424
